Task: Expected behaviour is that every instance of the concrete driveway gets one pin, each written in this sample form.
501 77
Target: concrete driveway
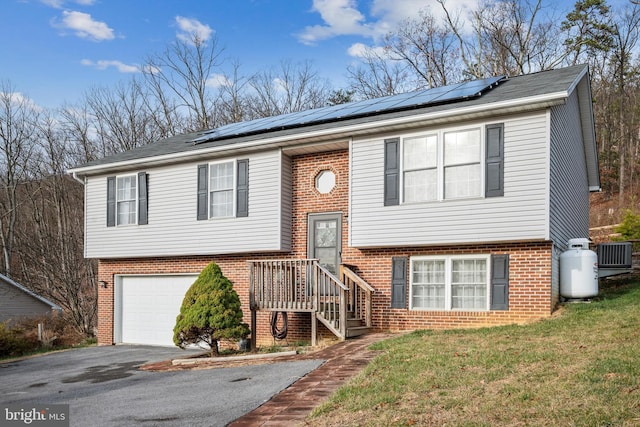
103 387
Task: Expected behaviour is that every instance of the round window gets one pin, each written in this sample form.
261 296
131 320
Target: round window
325 181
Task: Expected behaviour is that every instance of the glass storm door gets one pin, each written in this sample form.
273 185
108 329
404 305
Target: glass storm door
325 236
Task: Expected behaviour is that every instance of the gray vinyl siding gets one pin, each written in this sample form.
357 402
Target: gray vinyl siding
173 228
569 190
286 203
15 304
521 214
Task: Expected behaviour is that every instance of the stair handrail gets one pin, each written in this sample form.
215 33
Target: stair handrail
325 283
354 296
359 280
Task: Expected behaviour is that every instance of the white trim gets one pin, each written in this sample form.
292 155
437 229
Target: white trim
85 219
476 111
280 195
440 166
134 175
349 193
547 200
448 259
234 184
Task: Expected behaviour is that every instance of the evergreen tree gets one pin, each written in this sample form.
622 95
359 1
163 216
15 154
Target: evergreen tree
210 312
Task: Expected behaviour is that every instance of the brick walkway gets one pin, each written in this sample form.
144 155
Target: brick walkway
291 406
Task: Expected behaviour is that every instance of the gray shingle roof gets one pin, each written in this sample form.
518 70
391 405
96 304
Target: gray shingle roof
32 294
526 86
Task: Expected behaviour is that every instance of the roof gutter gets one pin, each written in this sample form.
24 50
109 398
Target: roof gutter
74 175
475 111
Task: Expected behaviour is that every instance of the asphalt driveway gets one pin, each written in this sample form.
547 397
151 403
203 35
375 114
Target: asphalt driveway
103 387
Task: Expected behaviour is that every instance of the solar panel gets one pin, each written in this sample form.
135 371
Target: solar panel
410 100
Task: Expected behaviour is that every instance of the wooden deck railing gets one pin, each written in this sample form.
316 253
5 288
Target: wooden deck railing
303 285
282 285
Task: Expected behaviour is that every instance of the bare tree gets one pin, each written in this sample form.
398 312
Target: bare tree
289 88
378 75
509 37
183 70
625 84
232 105
50 231
77 124
120 117
17 128
429 50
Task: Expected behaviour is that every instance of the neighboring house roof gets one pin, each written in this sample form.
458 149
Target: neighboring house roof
7 281
502 96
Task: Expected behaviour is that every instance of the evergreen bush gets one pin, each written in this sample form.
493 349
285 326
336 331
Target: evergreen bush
210 312
629 229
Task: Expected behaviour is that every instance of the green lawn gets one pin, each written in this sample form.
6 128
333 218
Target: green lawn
579 368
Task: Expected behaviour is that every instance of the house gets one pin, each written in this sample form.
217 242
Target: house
18 302
441 208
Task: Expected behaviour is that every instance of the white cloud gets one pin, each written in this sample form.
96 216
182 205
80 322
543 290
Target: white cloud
218 80
53 3
360 50
103 64
150 69
20 99
345 18
84 26
59 3
189 28
341 17
279 84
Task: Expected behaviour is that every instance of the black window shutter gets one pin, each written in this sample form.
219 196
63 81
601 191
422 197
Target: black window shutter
494 170
203 189
111 201
398 282
143 199
392 172
242 189
500 282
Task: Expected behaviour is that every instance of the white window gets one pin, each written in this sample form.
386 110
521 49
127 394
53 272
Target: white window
221 189
444 165
325 181
126 199
450 282
420 173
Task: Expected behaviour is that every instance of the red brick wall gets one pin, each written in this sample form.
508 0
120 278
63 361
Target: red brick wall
530 263
530 266
233 267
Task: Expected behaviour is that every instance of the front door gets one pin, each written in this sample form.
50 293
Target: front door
325 240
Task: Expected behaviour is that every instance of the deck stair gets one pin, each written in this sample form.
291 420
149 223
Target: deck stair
354 326
342 304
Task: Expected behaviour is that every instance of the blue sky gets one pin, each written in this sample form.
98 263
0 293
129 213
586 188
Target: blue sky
54 50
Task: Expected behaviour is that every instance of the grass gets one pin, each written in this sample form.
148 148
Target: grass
579 368
88 342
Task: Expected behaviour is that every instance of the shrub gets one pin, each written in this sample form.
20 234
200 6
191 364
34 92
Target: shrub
629 228
21 335
58 330
14 341
210 312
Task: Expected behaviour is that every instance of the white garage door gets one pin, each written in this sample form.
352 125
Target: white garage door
147 306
